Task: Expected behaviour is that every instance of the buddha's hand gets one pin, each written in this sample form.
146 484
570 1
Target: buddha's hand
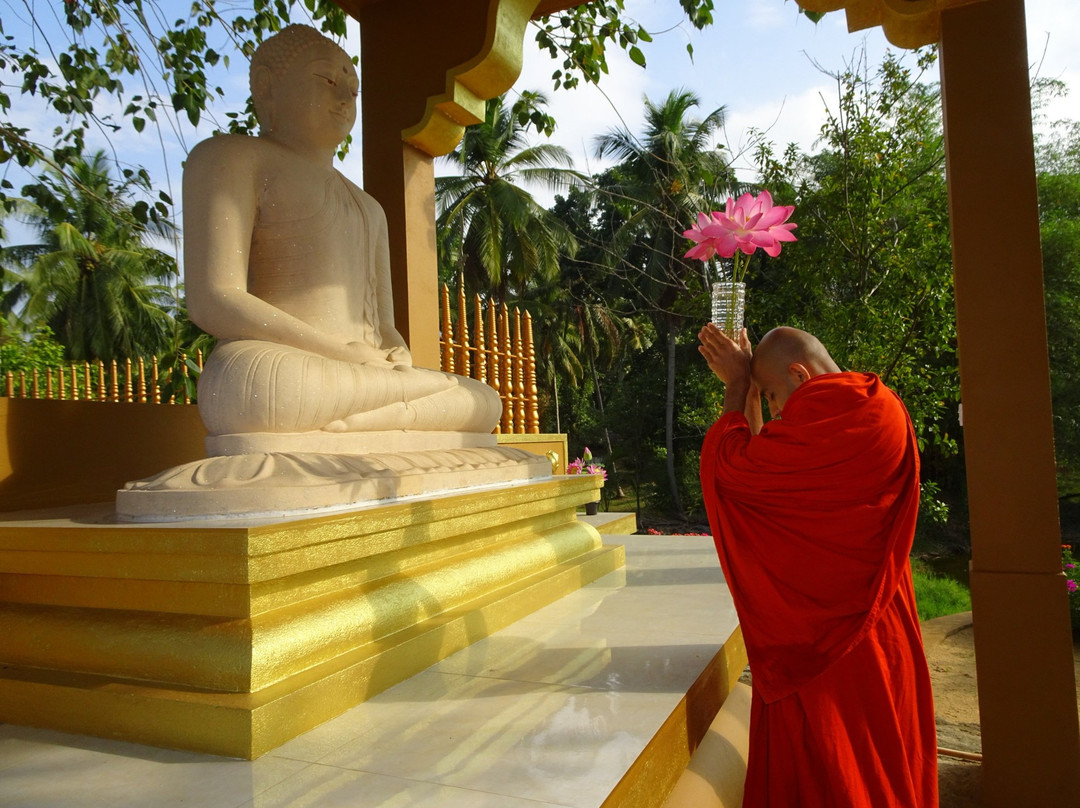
399 355
361 353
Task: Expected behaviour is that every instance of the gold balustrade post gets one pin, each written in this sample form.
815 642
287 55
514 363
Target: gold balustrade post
462 331
184 377
129 390
532 412
101 393
481 354
114 383
9 384
154 381
22 384
142 381
519 375
48 383
447 331
35 392
492 347
505 370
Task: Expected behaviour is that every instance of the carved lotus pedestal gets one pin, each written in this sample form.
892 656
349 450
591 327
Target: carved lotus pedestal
231 637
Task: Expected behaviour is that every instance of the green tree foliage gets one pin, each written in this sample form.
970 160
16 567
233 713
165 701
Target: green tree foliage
92 277
491 229
38 352
104 65
664 177
1058 167
85 60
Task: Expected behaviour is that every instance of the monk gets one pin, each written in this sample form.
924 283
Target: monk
287 263
813 515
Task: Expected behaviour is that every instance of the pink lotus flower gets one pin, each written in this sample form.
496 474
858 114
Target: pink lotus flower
586 465
742 226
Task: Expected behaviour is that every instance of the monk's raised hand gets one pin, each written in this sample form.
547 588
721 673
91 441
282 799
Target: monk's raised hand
728 360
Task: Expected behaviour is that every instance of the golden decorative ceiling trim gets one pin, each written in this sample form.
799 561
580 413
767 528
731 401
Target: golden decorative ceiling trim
491 72
905 23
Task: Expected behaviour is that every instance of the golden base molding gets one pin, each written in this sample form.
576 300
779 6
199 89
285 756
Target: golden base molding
231 640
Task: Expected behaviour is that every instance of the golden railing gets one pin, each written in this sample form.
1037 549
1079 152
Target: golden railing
130 380
498 355
497 351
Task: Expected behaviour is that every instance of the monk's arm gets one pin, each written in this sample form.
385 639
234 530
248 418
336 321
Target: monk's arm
752 410
220 205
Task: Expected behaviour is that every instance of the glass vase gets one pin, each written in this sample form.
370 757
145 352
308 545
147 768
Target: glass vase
728 305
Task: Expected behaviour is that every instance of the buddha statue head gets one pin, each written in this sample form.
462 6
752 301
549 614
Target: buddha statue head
303 82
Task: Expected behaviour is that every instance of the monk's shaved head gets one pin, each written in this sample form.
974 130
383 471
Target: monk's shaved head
785 346
784 359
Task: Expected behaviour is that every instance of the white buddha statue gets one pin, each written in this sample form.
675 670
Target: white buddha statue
310 398
287 263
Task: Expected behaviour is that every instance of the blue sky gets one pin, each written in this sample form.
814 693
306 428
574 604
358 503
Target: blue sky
762 60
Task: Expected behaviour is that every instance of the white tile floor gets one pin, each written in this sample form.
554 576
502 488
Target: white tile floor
550 711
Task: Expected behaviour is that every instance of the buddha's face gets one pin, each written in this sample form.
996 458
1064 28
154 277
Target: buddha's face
315 99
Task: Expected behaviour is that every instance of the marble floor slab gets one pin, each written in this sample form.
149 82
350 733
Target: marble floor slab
550 711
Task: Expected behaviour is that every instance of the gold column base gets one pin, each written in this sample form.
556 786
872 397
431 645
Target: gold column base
231 640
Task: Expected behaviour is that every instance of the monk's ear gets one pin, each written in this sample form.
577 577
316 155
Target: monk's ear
799 372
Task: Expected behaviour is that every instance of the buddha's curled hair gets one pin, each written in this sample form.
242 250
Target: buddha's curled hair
279 51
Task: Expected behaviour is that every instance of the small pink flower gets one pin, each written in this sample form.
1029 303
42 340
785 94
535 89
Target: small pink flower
593 468
575 466
1070 585
1070 566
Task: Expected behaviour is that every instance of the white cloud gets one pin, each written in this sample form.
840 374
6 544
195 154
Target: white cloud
795 118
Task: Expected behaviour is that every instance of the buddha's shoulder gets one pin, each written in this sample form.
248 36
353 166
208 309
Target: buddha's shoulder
234 150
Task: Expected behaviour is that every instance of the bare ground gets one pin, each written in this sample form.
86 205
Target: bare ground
950 653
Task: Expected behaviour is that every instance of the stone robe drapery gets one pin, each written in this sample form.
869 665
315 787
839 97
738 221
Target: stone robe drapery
813 521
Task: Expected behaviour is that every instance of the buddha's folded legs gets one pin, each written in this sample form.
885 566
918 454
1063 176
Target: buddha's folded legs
253 386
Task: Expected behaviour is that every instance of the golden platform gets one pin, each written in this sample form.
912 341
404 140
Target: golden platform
230 637
593 701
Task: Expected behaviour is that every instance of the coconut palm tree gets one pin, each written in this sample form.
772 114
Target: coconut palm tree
664 176
490 228
93 277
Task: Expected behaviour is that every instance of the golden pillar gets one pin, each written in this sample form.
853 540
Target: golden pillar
426 69
1030 734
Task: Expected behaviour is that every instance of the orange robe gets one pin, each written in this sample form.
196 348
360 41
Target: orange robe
813 521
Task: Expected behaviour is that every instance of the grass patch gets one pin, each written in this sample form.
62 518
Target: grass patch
937 596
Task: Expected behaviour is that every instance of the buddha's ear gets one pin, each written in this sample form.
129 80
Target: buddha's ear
262 91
